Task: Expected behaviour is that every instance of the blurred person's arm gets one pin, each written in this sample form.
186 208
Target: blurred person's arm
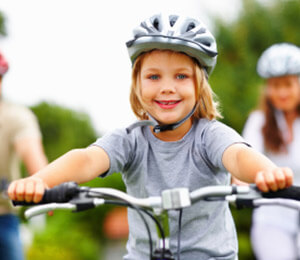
31 152
27 139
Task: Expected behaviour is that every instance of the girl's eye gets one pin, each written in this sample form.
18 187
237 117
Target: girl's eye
154 77
181 76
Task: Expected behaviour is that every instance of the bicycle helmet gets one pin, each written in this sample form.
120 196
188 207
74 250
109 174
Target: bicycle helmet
279 60
177 33
3 65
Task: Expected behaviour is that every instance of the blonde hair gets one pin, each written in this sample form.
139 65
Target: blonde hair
206 106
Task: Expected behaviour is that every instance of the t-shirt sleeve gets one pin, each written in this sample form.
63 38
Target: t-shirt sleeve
24 124
117 145
216 138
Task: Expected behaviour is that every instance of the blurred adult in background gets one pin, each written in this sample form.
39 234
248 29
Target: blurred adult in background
274 129
20 140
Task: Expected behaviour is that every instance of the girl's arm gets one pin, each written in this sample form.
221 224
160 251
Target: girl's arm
79 165
250 166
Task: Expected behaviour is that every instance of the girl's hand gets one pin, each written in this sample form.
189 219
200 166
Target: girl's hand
28 189
275 179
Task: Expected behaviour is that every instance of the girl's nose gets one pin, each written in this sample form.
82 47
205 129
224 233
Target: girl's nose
167 87
283 91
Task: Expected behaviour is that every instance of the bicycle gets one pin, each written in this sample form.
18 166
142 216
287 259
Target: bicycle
72 197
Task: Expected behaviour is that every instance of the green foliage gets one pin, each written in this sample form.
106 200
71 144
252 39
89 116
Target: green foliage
63 239
63 129
2 25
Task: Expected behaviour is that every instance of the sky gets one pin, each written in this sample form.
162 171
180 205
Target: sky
73 53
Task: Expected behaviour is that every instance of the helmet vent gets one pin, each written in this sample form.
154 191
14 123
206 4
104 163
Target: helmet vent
173 20
207 44
190 27
156 24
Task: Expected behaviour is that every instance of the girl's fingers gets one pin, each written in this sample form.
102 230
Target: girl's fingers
289 176
280 178
28 189
11 191
39 192
260 182
270 180
20 191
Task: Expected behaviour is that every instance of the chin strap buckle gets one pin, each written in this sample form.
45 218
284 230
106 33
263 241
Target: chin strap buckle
157 128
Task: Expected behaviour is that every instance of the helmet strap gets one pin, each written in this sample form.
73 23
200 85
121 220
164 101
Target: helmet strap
157 128
161 128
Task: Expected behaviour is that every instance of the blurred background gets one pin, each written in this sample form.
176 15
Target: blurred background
68 62
73 52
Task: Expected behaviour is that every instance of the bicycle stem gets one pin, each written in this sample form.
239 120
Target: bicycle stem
162 250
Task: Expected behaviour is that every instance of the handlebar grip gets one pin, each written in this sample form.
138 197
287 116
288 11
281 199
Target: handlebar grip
60 193
248 200
292 192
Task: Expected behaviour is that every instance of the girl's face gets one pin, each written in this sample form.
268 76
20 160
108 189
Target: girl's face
284 92
167 82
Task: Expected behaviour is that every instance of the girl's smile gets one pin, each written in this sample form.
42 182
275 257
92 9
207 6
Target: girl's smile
167 104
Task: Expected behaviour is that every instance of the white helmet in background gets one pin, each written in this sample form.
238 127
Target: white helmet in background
279 60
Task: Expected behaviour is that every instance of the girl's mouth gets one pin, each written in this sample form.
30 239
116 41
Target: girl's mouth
167 104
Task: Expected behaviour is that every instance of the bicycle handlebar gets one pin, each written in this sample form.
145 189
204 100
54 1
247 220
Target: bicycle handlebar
171 198
84 197
60 193
256 198
70 196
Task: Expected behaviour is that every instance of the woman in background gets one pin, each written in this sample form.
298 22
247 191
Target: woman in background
274 129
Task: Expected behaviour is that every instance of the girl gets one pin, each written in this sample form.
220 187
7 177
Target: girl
275 131
176 143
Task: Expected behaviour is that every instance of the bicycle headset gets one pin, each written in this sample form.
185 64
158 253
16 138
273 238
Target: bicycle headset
279 60
175 33
3 65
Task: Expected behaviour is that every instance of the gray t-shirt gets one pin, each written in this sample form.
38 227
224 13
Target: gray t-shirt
149 166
